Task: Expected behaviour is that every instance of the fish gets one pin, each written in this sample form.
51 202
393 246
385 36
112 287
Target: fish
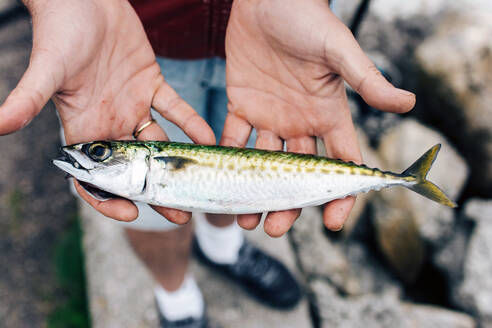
230 180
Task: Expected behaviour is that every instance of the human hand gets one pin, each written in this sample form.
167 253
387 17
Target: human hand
286 65
93 58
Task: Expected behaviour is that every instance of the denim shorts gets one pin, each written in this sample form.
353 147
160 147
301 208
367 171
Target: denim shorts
201 83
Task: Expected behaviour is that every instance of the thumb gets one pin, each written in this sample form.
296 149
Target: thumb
37 85
362 75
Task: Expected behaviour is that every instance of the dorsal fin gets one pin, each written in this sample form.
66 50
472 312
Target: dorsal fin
175 162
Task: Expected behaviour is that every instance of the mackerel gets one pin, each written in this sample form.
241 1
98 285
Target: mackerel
216 179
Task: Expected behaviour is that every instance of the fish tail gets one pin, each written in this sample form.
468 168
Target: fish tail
419 170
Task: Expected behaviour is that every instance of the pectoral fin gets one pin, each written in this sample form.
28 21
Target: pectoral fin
175 162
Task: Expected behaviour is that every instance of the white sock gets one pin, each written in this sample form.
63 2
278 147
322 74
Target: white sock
183 303
220 244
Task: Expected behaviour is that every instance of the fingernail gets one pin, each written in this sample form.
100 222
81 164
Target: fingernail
405 93
339 229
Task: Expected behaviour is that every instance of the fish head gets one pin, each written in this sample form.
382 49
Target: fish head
114 167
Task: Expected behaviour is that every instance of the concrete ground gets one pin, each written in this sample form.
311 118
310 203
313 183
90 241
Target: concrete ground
120 289
35 207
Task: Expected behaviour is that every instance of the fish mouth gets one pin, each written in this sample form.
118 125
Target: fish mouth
74 169
67 158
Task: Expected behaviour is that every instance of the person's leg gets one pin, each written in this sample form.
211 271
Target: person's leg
165 253
220 242
164 247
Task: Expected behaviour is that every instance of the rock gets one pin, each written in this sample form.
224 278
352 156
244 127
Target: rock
404 219
398 236
467 64
345 10
450 72
380 310
449 258
388 10
372 277
7 4
399 149
473 51
318 255
374 310
406 142
426 316
347 264
475 291
457 64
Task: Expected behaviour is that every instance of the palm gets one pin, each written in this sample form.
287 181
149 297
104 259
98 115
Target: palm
278 93
93 58
107 91
284 78
302 95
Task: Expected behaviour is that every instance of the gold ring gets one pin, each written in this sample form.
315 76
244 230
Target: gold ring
140 129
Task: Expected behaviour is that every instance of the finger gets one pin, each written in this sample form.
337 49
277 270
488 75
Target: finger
40 81
173 215
343 53
119 209
172 107
303 145
336 213
236 131
155 132
268 140
278 223
152 132
341 142
249 221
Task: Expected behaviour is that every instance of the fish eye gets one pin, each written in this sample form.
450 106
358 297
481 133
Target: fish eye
99 151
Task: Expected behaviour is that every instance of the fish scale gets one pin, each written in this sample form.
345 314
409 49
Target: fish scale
231 180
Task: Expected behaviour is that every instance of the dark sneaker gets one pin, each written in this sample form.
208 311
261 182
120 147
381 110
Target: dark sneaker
260 274
183 323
